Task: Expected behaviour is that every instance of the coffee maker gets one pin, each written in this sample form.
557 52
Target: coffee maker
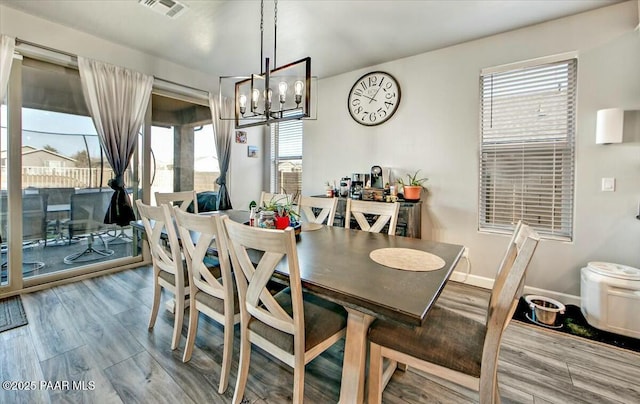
358 182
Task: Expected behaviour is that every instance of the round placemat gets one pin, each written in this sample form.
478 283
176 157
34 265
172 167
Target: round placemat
311 226
407 259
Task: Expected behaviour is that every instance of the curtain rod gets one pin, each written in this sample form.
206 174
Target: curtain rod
75 59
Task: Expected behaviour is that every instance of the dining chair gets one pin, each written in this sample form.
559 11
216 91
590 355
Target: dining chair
210 293
168 267
266 197
292 325
326 208
183 199
450 345
385 212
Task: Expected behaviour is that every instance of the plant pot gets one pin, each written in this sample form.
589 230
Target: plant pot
282 222
412 192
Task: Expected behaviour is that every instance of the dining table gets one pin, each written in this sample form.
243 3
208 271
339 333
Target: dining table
336 264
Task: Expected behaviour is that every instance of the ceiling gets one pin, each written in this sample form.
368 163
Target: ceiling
222 38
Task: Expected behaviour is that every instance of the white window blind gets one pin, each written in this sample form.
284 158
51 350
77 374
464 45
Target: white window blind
286 157
527 149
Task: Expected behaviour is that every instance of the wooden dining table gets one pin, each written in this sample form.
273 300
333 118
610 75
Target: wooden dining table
335 264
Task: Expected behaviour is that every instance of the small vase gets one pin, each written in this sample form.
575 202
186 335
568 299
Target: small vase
282 222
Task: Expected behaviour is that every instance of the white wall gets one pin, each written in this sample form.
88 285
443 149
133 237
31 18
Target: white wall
436 130
244 185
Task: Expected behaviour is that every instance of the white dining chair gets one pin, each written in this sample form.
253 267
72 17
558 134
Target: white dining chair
180 198
384 212
211 293
292 325
453 346
168 268
326 208
282 199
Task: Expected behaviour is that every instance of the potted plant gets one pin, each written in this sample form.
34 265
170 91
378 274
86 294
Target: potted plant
277 213
412 188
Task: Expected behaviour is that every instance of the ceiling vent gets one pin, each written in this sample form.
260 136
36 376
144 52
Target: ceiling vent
170 8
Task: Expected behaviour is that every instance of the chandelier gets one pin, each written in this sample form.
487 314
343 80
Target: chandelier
276 94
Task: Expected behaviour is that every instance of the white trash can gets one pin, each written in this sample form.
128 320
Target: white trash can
610 297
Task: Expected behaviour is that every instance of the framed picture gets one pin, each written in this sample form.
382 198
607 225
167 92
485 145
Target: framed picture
252 151
241 136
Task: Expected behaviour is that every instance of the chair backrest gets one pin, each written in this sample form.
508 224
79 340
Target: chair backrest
88 211
58 196
266 197
182 199
34 213
504 299
386 212
166 257
208 230
327 207
254 296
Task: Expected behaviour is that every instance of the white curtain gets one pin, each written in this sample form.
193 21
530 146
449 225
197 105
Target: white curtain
222 134
7 46
117 99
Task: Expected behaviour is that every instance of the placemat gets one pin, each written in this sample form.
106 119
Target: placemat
407 259
311 226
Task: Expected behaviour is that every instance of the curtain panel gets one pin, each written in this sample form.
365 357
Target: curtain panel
117 99
7 46
222 133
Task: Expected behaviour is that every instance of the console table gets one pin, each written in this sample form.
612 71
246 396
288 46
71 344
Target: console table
409 217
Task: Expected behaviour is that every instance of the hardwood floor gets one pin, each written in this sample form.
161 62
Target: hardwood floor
95 331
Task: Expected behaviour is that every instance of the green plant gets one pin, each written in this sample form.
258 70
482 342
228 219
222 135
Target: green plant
282 206
413 180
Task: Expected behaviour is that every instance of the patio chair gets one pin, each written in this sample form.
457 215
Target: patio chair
87 215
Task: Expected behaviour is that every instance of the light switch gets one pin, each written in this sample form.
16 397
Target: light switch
609 184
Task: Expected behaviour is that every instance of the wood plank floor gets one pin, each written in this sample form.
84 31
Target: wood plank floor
95 332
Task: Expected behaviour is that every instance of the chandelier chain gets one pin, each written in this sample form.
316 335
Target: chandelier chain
275 31
261 33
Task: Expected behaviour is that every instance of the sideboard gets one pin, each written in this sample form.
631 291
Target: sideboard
409 217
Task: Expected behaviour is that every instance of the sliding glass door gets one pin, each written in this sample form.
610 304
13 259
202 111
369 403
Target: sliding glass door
62 174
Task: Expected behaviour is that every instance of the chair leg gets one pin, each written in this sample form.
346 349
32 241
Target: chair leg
298 380
156 301
227 353
375 374
243 366
177 322
193 329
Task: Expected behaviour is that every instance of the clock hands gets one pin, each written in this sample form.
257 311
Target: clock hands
370 98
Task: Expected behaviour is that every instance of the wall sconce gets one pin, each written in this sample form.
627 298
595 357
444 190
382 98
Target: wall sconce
609 125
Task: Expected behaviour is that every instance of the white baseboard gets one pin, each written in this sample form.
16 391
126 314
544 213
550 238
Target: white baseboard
487 283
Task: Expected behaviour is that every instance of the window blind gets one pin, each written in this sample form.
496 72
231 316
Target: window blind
286 157
527 150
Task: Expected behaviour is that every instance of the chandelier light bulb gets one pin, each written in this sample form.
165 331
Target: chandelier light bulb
255 96
242 102
298 88
282 89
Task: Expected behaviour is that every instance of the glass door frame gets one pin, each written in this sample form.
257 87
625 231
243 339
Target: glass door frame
15 280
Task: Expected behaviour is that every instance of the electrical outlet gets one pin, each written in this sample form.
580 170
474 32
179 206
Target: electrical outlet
608 184
465 253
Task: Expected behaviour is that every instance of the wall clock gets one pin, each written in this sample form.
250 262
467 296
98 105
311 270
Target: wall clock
374 98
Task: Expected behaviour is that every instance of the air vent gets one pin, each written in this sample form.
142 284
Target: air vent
170 8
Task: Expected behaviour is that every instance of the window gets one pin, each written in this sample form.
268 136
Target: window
527 149
286 157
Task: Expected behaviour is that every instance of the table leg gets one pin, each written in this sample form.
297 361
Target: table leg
355 357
